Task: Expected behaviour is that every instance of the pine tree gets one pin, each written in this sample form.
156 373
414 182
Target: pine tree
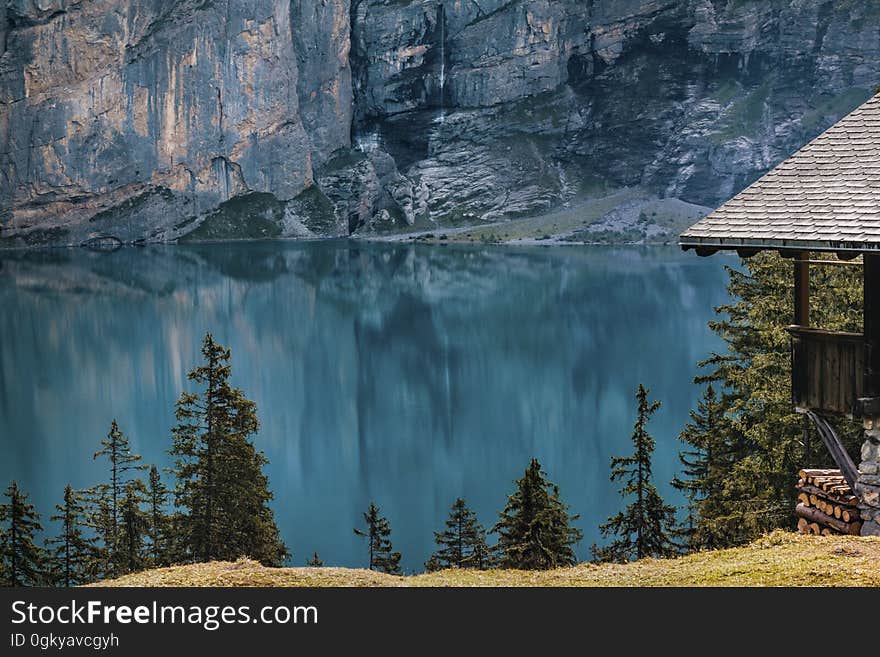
378 535
462 544
99 521
484 556
315 561
645 527
106 499
535 529
221 488
762 437
22 561
706 465
159 531
134 528
72 552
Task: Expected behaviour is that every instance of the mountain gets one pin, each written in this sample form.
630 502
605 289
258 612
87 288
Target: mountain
210 119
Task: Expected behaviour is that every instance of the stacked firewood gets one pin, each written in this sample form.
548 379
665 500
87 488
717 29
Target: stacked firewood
826 504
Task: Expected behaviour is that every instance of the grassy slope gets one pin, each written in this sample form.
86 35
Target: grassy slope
780 559
586 221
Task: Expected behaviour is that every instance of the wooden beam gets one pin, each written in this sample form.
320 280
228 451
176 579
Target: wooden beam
832 263
872 324
802 290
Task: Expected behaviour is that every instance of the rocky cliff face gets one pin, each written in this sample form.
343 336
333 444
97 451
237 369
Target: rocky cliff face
165 119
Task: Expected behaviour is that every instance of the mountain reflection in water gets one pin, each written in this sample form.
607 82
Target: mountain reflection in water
408 375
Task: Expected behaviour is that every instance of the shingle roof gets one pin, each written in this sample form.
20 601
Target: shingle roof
825 197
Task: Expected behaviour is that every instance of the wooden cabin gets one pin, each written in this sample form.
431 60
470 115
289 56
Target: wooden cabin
823 199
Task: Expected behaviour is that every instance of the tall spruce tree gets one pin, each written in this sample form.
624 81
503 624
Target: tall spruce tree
706 465
72 552
22 561
462 544
645 528
106 499
315 561
378 535
221 488
134 528
535 529
159 531
762 438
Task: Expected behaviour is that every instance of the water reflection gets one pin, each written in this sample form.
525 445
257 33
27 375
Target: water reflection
404 374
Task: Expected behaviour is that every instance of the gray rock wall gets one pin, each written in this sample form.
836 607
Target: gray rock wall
140 118
868 485
184 104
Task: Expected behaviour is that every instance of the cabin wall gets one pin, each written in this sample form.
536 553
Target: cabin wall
827 369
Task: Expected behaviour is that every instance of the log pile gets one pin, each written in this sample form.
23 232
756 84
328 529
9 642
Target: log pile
826 504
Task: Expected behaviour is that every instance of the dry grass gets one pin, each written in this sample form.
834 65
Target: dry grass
779 559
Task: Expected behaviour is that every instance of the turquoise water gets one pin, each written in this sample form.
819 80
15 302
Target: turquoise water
408 375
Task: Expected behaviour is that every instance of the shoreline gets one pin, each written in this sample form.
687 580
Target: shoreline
623 217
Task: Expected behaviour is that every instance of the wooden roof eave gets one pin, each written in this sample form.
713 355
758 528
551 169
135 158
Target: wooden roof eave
706 246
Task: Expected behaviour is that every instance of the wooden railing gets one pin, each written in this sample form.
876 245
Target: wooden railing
827 369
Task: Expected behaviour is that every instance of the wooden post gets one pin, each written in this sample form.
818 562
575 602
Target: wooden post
801 318
872 324
802 289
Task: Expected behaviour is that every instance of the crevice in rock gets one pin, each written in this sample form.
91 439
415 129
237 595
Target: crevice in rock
357 58
480 11
823 22
4 23
230 175
220 112
441 54
16 20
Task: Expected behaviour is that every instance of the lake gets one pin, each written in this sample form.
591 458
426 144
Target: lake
404 374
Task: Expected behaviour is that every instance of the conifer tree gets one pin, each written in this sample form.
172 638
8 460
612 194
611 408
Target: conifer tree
315 561
134 528
72 552
462 544
535 529
106 499
485 556
159 532
645 527
762 437
706 466
99 521
378 535
221 489
22 561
